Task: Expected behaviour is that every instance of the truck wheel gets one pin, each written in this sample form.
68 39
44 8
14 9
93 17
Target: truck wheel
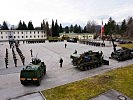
38 83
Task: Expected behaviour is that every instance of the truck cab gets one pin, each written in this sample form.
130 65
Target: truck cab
33 72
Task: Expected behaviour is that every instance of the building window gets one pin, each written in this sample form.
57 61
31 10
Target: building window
18 32
18 36
22 32
22 36
34 36
6 36
38 32
26 36
42 36
30 36
34 32
14 36
1 37
1 32
30 32
38 36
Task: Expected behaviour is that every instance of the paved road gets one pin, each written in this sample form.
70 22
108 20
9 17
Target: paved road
50 53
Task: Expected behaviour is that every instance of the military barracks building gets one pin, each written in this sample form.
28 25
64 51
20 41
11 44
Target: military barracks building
28 36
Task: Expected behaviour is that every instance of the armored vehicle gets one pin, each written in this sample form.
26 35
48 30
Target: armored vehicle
33 72
122 54
88 60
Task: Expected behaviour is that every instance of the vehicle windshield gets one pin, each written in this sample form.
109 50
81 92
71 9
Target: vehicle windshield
28 73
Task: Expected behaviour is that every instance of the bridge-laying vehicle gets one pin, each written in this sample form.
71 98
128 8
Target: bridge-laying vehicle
88 60
33 72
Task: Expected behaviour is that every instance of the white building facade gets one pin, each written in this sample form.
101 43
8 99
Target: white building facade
21 35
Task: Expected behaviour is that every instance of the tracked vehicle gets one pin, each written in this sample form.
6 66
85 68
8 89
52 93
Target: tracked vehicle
88 60
33 72
122 54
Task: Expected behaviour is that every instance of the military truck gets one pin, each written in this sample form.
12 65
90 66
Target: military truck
88 60
33 72
122 54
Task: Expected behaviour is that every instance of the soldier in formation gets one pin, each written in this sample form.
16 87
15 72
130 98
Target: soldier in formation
61 62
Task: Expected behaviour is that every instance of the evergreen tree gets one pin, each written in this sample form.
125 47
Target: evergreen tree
41 26
47 29
66 29
75 29
117 29
71 28
20 25
53 28
24 26
79 29
85 30
30 26
123 27
4 26
60 29
110 27
56 29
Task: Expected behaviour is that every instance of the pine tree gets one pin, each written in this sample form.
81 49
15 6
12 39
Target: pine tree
60 29
47 29
56 29
53 28
20 25
30 26
4 26
71 28
75 29
66 29
123 27
24 26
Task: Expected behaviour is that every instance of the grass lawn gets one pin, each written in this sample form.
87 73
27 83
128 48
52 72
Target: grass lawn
130 46
120 79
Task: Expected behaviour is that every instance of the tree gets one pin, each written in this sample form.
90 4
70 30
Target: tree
71 28
4 26
30 26
123 27
66 29
56 29
24 26
75 29
130 27
60 29
47 29
110 27
53 28
20 25
84 30
91 27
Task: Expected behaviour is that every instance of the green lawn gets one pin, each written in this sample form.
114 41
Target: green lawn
130 46
120 79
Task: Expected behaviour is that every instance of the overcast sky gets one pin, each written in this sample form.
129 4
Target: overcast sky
65 11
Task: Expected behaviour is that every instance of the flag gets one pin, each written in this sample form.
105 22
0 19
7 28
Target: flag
102 29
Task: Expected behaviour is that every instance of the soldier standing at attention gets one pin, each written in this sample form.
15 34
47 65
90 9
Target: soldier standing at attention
65 45
31 53
61 61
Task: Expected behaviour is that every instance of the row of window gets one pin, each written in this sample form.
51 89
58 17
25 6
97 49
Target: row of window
23 36
23 32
